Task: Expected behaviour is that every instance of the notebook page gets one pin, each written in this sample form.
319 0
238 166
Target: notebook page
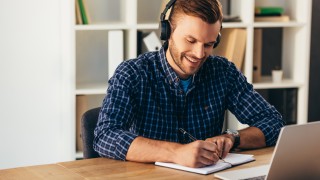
236 159
204 170
231 159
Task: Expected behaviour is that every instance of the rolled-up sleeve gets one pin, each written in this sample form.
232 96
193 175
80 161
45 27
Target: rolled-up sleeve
251 108
112 136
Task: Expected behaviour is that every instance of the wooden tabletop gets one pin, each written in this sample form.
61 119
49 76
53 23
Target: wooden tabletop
103 168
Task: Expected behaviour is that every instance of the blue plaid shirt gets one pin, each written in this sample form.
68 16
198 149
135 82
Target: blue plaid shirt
144 98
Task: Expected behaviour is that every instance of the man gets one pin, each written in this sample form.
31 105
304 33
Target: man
182 86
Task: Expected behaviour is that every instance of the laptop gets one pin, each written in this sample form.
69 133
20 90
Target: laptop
296 156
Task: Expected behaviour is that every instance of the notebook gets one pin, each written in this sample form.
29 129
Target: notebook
232 159
296 156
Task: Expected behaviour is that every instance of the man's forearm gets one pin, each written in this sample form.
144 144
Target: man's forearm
148 150
251 137
196 154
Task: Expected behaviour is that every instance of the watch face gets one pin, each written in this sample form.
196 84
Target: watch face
233 132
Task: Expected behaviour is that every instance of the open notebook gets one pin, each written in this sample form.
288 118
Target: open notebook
232 159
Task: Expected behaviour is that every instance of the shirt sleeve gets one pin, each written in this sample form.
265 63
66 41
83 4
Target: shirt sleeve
112 136
251 108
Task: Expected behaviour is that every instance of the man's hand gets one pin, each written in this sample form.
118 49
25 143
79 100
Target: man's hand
197 154
224 144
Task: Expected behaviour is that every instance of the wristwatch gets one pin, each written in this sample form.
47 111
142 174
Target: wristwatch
236 136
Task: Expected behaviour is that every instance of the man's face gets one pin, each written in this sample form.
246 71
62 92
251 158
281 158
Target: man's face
190 44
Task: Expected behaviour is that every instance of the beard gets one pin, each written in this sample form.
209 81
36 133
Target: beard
181 61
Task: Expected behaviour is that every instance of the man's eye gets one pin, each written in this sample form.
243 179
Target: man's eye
190 41
208 45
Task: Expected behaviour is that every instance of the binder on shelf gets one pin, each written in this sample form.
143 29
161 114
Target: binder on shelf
115 50
81 108
285 101
152 42
232 45
139 42
257 55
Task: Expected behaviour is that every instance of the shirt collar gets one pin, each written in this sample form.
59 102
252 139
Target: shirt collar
170 74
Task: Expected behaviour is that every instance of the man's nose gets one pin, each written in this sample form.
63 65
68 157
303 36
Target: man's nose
199 51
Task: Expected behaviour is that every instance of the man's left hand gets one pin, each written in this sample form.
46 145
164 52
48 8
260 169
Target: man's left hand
224 143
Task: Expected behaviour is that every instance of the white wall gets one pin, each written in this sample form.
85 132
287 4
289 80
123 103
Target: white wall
32 124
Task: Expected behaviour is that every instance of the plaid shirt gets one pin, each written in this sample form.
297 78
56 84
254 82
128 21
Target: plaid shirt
144 98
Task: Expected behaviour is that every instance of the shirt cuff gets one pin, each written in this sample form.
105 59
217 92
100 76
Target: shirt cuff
123 143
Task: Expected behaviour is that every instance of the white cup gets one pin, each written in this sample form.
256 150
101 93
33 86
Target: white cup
277 76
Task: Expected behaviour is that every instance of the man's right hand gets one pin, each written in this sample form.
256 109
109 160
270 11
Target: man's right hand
197 154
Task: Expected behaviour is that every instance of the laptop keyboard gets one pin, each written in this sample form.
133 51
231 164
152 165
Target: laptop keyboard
257 178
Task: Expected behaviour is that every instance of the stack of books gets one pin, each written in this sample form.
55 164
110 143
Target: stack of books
270 14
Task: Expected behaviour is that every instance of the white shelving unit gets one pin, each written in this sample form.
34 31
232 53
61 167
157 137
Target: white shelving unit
295 48
132 16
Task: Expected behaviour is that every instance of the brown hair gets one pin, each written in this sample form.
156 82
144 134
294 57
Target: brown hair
209 11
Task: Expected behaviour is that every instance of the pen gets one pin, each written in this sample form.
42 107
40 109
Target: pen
186 133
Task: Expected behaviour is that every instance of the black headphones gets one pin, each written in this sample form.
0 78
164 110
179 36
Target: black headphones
165 25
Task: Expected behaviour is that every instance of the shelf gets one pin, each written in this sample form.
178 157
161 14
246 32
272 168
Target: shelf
148 26
266 83
114 26
91 88
234 25
109 26
278 24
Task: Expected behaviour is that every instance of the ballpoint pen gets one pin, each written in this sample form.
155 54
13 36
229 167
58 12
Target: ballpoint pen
186 133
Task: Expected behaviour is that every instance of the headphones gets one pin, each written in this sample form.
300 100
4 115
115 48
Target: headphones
166 29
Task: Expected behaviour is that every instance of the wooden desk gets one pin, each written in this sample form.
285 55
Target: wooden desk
103 168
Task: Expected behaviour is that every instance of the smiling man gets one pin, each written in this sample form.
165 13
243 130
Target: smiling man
153 99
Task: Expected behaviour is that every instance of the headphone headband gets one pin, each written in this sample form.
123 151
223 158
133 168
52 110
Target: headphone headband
164 12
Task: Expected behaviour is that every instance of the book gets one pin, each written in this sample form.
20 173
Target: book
83 11
232 159
86 8
228 18
232 45
115 50
78 13
268 11
282 18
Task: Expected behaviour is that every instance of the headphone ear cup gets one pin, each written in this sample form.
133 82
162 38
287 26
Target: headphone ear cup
217 41
165 30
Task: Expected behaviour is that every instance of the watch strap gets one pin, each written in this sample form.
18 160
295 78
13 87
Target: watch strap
235 135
